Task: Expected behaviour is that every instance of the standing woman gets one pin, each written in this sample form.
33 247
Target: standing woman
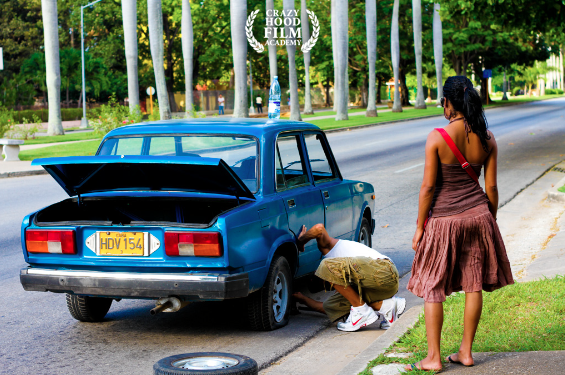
461 248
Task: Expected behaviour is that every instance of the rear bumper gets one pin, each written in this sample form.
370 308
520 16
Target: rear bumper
191 287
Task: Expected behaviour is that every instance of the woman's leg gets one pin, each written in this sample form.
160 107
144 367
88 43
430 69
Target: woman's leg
434 322
473 310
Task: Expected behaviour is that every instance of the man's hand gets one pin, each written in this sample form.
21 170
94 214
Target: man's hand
301 240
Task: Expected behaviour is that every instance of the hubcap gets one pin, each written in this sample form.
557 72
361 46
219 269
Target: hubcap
206 363
280 297
364 236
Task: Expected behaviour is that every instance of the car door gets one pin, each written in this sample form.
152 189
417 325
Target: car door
337 197
302 200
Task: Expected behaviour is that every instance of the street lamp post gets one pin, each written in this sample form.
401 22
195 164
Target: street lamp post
84 120
251 108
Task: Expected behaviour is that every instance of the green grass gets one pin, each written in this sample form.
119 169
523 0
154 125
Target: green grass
63 138
73 149
521 317
562 189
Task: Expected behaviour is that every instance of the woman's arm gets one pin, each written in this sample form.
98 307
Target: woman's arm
490 178
428 185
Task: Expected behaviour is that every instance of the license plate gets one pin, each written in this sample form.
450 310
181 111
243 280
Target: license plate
122 243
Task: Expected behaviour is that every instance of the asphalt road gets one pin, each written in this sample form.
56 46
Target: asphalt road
38 335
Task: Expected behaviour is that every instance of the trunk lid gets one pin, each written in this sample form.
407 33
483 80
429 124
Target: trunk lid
79 175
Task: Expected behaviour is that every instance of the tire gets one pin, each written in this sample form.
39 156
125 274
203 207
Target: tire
261 305
88 309
365 233
244 366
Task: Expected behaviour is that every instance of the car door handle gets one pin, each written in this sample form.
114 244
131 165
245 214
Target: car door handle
326 194
291 203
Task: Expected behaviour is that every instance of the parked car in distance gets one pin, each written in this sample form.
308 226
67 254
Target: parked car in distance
192 210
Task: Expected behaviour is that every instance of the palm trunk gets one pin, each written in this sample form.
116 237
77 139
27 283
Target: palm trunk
371 21
129 15
417 23
187 54
341 90
52 64
238 14
288 6
395 53
155 23
379 86
305 37
438 51
272 48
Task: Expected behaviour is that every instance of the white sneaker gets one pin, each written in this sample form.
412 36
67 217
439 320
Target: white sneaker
358 319
390 316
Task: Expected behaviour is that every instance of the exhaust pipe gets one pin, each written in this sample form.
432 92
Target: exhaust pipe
168 304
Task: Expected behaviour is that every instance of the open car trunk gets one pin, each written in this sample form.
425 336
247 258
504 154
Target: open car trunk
172 211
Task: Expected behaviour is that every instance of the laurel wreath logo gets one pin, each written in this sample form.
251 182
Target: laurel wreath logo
306 47
249 32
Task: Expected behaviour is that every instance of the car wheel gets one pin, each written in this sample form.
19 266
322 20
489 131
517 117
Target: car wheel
268 308
206 363
365 233
88 309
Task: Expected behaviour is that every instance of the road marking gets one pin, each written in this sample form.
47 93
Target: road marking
412 167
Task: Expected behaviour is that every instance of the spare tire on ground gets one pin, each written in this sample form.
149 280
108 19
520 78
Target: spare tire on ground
206 363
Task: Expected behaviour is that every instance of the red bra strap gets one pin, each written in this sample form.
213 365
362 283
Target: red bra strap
458 154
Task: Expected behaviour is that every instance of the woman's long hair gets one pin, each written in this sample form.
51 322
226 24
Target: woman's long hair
460 92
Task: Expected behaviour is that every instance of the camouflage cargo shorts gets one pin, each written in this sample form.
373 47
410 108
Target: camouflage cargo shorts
374 279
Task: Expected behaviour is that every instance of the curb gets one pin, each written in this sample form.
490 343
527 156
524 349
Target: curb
555 195
381 344
22 173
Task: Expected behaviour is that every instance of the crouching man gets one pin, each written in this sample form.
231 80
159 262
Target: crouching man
365 282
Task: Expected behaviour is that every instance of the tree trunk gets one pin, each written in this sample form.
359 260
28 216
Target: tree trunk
272 48
187 54
288 6
52 64
238 14
340 16
484 91
417 24
305 37
371 25
404 93
79 99
438 51
129 15
155 24
328 101
170 70
504 86
379 87
395 54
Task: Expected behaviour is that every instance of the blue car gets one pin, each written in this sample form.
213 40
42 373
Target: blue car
192 210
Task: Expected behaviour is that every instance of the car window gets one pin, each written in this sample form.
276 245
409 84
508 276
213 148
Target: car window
239 152
319 158
291 163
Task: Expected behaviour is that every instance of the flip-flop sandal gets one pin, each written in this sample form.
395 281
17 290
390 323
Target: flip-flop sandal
458 363
414 367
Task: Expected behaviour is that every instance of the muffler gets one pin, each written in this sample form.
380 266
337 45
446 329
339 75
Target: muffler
168 304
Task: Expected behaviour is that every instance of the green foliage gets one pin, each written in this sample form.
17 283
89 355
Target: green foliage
6 120
553 92
516 91
26 130
113 115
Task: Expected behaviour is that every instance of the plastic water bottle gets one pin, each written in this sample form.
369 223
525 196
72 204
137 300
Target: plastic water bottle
275 100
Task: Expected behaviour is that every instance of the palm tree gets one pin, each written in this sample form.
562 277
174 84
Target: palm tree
417 23
395 54
70 68
272 48
129 17
187 53
34 70
288 5
305 37
238 16
52 64
155 23
438 51
371 21
341 44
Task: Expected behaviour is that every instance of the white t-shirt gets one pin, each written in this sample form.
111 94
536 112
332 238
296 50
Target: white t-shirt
259 100
221 101
350 249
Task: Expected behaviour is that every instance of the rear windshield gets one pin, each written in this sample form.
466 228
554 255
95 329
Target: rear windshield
240 153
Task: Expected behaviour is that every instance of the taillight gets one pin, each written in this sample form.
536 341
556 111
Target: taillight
51 241
199 244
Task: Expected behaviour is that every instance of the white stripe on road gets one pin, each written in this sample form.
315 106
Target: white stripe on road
412 167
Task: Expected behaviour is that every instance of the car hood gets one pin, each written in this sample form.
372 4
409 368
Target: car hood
89 174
